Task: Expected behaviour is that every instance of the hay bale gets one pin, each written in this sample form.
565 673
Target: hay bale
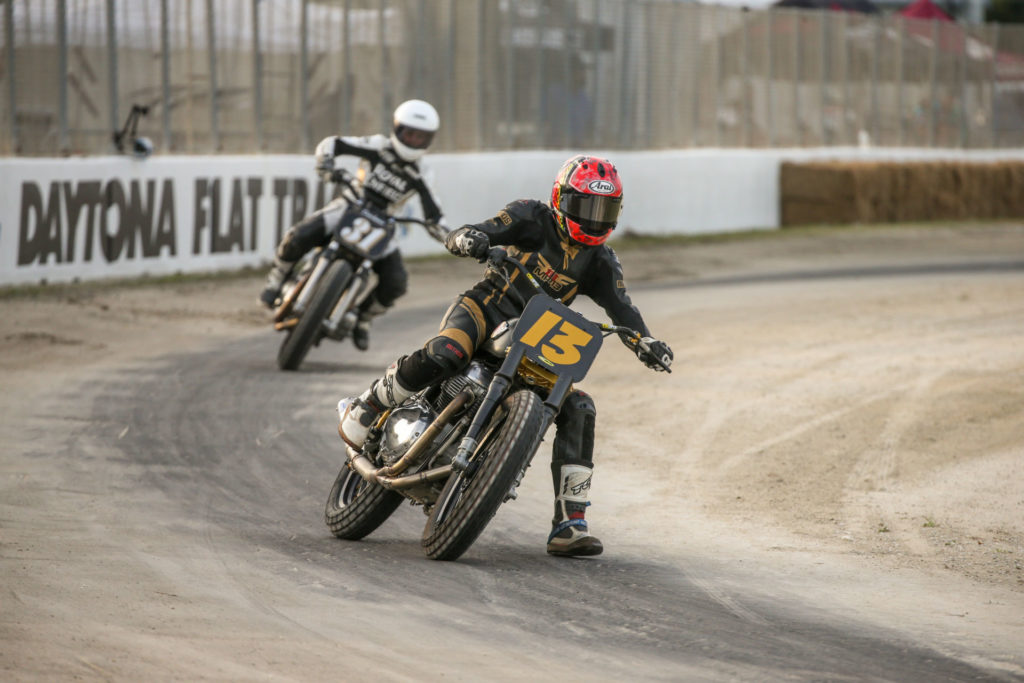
884 192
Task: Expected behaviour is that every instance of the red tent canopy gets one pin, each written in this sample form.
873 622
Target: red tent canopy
924 9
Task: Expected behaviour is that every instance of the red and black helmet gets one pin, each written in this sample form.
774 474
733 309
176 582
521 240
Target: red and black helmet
587 198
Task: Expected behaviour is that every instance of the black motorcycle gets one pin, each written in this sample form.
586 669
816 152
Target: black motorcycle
460 448
321 296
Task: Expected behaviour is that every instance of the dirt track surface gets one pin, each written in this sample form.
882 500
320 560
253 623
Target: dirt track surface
829 486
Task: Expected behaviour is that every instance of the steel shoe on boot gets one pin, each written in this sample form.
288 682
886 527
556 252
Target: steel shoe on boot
359 414
275 278
361 335
269 296
368 310
569 534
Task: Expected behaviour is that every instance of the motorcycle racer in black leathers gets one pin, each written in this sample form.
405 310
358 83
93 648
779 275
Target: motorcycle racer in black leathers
389 174
562 245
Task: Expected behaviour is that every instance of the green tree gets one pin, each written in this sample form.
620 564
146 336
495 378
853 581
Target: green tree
1005 12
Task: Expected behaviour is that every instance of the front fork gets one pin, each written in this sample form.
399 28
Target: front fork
495 393
344 318
322 262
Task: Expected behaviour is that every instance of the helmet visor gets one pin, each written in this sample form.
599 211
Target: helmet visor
596 214
414 137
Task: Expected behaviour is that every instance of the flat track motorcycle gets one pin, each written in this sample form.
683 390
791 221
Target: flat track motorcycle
320 298
461 447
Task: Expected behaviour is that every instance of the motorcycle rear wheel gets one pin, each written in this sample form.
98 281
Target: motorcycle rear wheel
355 507
467 504
306 332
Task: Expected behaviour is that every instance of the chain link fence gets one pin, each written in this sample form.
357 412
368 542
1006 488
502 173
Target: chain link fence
249 76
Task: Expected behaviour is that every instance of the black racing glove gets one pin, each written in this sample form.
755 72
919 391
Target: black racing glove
468 242
649 350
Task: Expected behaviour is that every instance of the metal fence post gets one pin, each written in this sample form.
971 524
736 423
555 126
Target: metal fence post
211 47
304 133
12 88
384 67
932 73
874 80
769 94
746 99
823 136
112 90
480 75
625 120
419 59
570 72
165 73
594 133
993 95
964 132
675 68
716 99
257 76
510 79
648 120
452 59
901 25
695 80
845 54
346 52
62 76
797 58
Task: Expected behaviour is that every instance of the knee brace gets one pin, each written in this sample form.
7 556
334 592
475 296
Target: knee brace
441 358
574 434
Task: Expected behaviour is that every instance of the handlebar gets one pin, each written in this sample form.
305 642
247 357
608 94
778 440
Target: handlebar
343 176
496 256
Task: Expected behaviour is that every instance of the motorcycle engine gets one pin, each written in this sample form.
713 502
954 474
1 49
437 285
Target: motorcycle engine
476 377
403 427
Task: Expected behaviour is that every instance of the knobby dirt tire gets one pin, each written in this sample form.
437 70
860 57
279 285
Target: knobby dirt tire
465 507
356 507
301 338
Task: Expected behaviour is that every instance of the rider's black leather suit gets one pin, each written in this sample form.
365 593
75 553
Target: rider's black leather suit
388 182
564 269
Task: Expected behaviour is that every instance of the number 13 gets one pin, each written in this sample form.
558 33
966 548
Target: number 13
564 347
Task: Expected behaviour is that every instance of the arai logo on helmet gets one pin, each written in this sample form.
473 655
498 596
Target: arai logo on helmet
601 187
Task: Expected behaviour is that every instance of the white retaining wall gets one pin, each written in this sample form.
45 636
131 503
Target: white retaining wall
100 217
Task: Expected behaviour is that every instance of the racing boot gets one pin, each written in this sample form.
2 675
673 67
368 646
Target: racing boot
360 413
361 332
569 535
275 278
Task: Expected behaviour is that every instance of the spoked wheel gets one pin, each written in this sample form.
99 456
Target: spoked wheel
468 502
306 332
356 507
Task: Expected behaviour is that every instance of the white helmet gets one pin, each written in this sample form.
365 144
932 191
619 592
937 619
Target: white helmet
415 124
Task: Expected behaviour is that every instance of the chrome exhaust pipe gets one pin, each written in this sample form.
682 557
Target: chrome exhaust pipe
362 465
408 480
386 476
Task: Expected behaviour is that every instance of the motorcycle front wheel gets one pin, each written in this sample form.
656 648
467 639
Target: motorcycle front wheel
467 503
356 507
300 339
